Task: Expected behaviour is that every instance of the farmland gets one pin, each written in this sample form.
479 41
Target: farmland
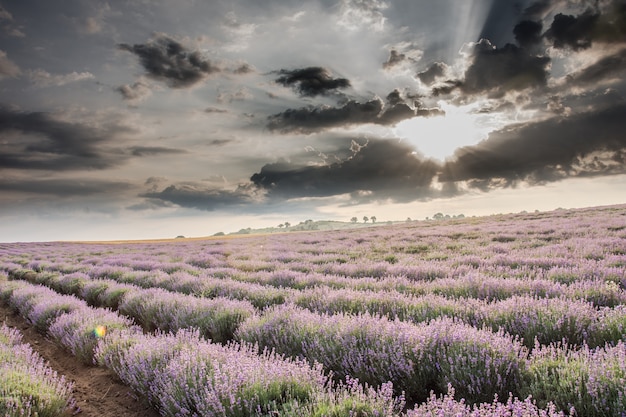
489 316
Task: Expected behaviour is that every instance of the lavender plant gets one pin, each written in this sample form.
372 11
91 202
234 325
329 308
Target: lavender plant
416 358
81 330
448 406
28 387
216 319
591 381
41 305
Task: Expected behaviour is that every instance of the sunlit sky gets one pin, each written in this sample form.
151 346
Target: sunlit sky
149 119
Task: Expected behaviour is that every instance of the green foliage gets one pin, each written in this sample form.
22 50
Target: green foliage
392 259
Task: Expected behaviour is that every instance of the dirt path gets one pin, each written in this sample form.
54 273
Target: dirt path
96 390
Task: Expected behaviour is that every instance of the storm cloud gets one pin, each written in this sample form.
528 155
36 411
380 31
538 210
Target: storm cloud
314 119
572 31
588 144
36 140
495 71
155 150
64 187
200 196
528 33
311 81
377 169
433 72
579 32
394 59
606 69
136 92
167 60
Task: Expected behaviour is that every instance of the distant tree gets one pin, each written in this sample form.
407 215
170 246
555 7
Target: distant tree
280 226
365 219
354 220
180 237
373 219
438 216
287 224
219 234
408 220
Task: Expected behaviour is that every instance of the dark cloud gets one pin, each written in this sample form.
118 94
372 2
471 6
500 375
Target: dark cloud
555 105
579 32
394 59
528 33
446 87
611 27
313 119
378 169
584 144
135 92
169 61
220 142
212 110
311 81
201 197
496 106
39 141
394 98
64 187
154 150
433 72
244 68
573 32
503 69
591 143
612 67
498 70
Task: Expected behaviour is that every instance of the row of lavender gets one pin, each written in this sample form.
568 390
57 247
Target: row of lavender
28 387
533 319
376 350
541 254
184 375
269 288
594 282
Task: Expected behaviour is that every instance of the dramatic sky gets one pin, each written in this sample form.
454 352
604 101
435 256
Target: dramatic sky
156 118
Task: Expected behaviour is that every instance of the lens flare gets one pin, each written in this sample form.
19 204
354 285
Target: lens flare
100 331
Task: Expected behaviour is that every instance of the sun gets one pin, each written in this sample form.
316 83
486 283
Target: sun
439 136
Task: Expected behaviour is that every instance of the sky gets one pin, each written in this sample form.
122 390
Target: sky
141 119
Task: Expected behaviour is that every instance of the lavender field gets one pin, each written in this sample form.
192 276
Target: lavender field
507 315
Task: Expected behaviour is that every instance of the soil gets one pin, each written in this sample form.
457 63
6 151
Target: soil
97 391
